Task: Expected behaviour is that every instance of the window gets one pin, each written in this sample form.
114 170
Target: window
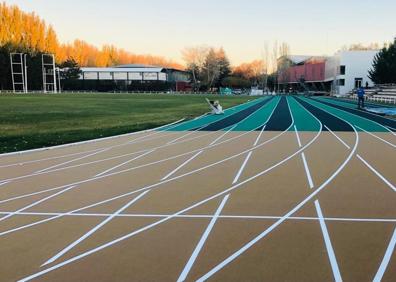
341 82
342 70
358 82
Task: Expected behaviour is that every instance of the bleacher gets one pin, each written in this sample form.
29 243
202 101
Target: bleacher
384 93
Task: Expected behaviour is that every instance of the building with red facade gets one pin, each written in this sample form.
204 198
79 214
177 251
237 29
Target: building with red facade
338 74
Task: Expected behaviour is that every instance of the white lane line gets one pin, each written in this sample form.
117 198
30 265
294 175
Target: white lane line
37 202
109 244
4 183
386 181
173 124
386 259
224 134
47 159
135 141
251 243
338 138
298 137
202 241
132 192
93 230
375 136
124 171
259 136
162 182
304 159
124 163
329 247
70 161
141 166
181 166
307 171
353 114
242 168
96 152
110 158
203 216
181 137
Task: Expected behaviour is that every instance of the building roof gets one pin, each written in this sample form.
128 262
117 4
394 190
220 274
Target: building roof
124 69
298 59
135 66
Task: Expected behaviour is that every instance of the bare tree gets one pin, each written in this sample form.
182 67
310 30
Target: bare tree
211 67
195 58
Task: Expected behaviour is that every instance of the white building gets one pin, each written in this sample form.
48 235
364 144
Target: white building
348 70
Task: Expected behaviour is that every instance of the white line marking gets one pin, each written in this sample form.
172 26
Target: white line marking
375 136
183 136
338 138
83 142
329 247
225 133
37 203
4 183
93 230
356 115
138 167
241 169
200 216
124 163
304 159
202 241
159 147
113 158
123 171
181 166
70 161
104 246
298 137
259 136
386 259
377 173
138 190
131 142
307 172
280 221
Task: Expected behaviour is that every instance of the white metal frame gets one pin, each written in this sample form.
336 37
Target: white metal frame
49 73
19 78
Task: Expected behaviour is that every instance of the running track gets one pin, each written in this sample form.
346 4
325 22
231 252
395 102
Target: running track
277 189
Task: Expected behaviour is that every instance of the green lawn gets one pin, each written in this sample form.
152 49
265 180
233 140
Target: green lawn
37 120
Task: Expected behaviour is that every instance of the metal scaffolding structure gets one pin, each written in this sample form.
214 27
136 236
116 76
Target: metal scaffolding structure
49 73
19 72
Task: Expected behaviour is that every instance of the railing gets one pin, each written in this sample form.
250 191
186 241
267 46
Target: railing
380 99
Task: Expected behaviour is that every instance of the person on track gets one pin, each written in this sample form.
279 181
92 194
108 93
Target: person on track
215 106
361 93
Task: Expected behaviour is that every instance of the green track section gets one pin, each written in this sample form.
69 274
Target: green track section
203 121
351 105
356 121
303 120
259 117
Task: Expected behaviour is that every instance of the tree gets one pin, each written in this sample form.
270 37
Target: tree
224 65
71 69
195 57
384 65
211 69
235 82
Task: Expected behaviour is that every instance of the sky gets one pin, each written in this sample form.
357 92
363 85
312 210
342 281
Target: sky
241 27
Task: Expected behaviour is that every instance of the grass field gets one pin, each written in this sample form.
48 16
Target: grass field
37 120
